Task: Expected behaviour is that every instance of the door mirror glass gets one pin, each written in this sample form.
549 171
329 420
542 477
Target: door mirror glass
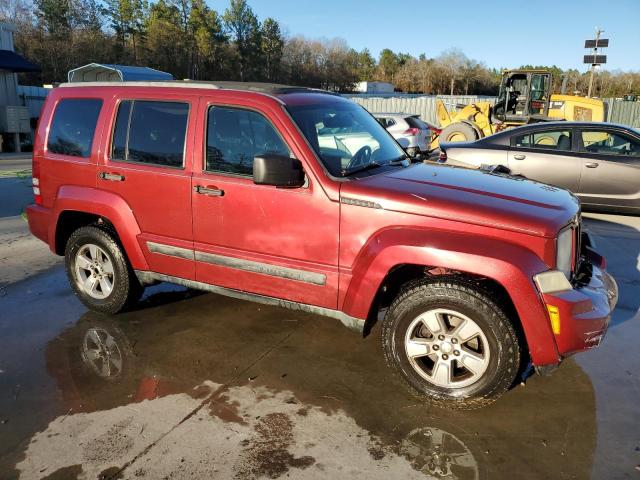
278 170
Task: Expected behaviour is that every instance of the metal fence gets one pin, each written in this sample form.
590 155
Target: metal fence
618 111
423 105
626 113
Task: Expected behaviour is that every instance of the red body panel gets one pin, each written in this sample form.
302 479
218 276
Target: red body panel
160 197
264 223
437 216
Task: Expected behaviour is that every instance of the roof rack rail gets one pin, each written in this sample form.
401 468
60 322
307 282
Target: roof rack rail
258 87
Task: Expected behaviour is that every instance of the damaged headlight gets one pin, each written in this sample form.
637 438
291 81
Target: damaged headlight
564 252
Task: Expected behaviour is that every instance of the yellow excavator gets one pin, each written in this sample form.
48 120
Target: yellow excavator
524 97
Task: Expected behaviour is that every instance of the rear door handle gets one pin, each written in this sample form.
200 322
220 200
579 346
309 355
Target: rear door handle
591 165
112 177
212 192
519 156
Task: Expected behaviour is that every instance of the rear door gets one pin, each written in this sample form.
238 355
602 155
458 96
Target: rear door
547 156
148 164
610 167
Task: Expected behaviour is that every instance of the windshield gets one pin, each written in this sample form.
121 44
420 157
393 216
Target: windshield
345 136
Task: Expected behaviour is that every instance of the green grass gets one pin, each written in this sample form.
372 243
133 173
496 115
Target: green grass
26 173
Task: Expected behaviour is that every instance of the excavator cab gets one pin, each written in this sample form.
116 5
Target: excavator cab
523 97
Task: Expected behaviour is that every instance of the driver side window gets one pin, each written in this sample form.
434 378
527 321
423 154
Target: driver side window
235 136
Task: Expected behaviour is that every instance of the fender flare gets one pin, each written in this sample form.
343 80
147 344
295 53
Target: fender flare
108 205
512 266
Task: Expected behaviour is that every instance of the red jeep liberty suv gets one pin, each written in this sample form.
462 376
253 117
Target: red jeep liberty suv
299 198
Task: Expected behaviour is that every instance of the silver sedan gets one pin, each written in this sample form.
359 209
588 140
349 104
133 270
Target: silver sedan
599 162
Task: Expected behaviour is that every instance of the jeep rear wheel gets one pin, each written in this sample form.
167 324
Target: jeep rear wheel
451 343
99 272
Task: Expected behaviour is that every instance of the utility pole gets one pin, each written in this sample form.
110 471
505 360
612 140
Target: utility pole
593 65
594 59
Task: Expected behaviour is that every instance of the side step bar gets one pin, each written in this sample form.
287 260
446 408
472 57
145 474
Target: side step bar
357 324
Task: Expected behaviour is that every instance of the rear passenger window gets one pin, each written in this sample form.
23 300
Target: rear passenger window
610 143
235 136
73 126
150 132
548 140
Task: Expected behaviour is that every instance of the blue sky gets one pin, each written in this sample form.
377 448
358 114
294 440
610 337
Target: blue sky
501 33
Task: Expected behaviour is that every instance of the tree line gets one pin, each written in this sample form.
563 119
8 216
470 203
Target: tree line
189 39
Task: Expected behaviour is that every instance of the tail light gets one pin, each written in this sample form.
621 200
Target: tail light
443 156
35 181
411 131
436 131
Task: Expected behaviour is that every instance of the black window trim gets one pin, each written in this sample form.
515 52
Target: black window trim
211 105
606 129
52 118
133 162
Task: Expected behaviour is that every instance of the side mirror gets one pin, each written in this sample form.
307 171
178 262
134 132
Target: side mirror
278 170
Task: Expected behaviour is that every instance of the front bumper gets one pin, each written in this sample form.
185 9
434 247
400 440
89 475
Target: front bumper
583 313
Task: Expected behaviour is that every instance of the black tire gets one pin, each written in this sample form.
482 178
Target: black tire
126 287
472 301
454 131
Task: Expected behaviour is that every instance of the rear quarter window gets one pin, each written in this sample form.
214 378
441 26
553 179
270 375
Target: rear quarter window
73 126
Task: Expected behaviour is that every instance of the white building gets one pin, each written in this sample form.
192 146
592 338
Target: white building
374 87
14 118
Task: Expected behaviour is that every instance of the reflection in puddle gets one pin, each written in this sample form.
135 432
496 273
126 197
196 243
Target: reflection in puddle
269 434
238 432
295 395
439 454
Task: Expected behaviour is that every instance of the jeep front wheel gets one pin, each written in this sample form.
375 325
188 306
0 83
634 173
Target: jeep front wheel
99 272
451 343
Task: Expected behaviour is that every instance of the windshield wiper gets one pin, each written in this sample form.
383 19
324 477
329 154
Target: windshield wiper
362 168
398 161
374 164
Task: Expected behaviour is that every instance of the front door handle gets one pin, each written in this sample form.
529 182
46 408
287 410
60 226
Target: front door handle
112 177
212 192
519 156
591 165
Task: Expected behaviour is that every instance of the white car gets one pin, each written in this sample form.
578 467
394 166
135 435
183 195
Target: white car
410 127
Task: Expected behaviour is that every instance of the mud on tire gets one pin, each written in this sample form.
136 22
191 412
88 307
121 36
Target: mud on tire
502 350
125 288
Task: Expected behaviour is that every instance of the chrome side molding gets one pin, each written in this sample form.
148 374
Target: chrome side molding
170 250
263 268
271 270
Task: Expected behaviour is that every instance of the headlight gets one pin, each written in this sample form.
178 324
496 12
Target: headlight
564 250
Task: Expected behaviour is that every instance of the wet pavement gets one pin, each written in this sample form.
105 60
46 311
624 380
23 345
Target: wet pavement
202 386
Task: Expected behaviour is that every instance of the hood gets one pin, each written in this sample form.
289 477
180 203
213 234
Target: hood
470 196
